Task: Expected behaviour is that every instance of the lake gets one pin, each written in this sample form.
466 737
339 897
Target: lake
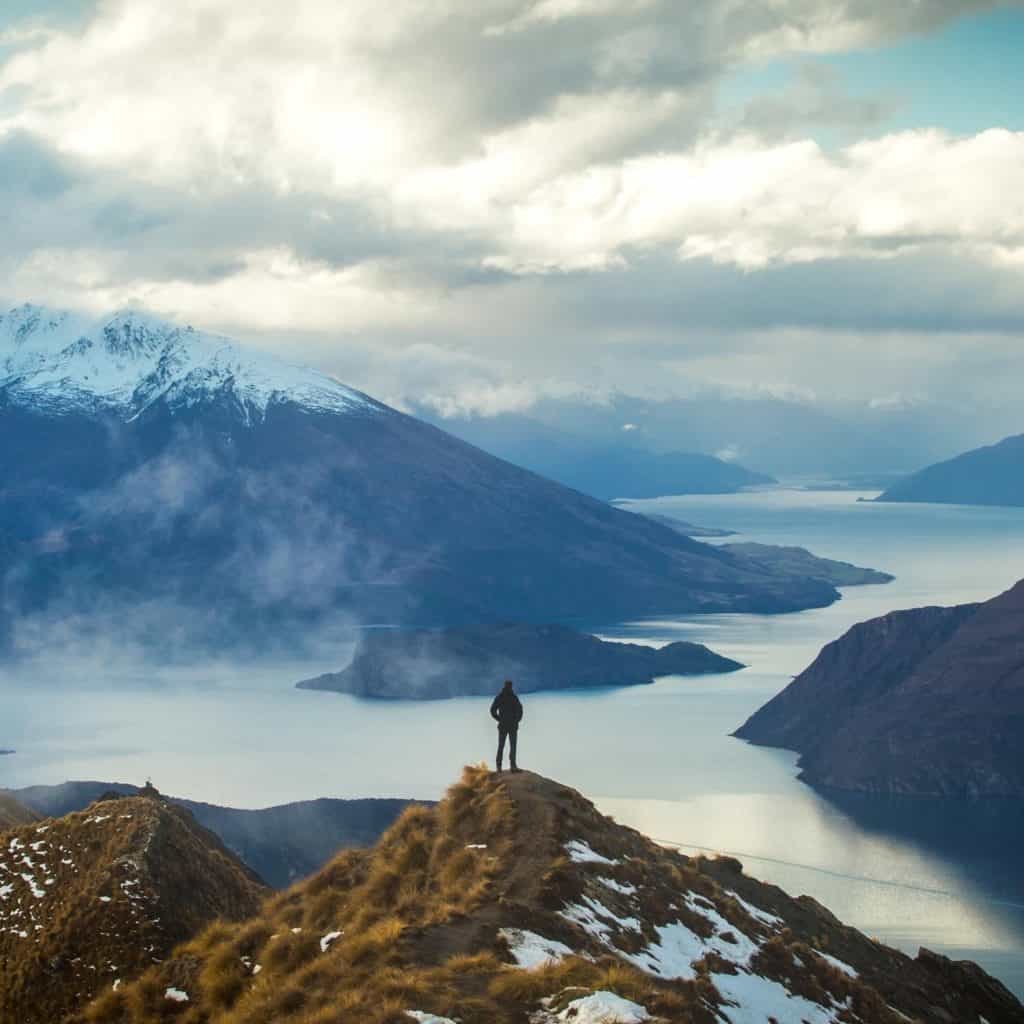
657 757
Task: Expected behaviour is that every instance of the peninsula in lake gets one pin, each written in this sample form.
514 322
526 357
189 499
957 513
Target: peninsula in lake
993 475
468 661
928 701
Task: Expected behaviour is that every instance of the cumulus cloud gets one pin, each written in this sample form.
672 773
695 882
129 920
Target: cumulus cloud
479 203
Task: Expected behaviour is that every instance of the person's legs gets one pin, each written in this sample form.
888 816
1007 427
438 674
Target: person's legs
501 747
513 736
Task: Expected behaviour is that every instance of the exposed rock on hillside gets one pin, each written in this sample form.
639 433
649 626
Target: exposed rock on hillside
90 900
429 664
926 701
515 901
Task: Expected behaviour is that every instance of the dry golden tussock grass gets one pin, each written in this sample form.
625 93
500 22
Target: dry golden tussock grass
418 919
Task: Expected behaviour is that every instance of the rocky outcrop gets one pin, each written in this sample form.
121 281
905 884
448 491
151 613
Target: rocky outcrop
515 900
90 900
473 661
928 701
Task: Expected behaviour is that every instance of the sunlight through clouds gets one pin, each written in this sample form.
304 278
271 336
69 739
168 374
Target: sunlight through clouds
402 172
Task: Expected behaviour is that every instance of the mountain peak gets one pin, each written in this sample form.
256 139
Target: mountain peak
514 899
129 360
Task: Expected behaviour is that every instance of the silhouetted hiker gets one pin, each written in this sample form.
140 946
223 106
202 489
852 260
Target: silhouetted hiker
507 711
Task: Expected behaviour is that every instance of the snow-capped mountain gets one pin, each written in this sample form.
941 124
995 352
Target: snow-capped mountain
189 492
125 362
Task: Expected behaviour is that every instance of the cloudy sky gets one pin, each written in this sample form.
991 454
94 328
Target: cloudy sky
480 201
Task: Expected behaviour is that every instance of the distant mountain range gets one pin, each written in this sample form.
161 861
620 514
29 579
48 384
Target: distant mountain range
784 437
604 468
928 701
170 488
474 660
281 844
993 475
514 900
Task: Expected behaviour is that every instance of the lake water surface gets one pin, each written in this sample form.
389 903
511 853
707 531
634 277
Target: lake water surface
658 758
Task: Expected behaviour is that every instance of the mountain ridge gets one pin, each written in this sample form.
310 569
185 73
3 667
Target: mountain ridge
281 843
604 468
89 900
234 512
514 900
128 360
13 812
927 701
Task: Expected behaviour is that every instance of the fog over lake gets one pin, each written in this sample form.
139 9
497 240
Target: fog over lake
657 757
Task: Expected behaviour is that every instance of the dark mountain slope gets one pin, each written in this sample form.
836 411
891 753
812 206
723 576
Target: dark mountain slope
926 701
245 502
14 813
281 844
90 900
473 660
993 475
515 901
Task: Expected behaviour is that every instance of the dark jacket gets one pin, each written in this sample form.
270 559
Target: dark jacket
506 709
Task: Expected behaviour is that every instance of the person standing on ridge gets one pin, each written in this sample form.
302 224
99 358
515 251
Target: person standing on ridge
507 711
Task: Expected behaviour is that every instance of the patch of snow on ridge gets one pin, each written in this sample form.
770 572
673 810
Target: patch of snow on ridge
840 965
619 887
755 912
756 1000
128 361
176 995
580 853
673 955
325 942
530 950
428 1018
678 947
604 1008
593 917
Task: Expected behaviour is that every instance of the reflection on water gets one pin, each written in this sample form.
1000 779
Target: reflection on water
657 757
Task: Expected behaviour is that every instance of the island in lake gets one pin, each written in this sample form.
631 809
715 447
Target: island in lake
422 664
